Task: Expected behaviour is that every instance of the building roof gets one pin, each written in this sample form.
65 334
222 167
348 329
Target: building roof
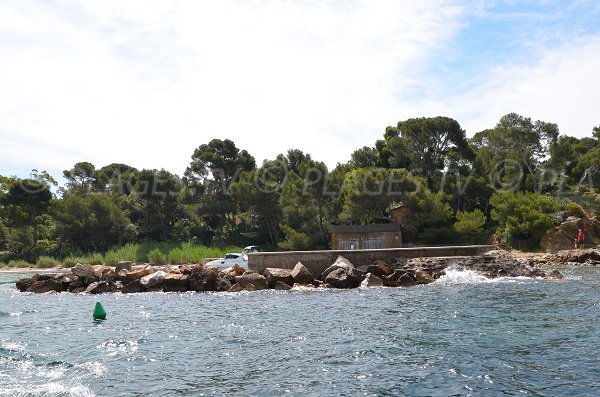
382 227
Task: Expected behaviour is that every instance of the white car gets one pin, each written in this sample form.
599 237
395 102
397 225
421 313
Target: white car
234 259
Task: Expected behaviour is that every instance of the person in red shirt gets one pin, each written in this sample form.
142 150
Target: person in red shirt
580 238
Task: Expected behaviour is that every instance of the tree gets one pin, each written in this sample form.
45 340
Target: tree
157 203
80 178
524 217
221 160
365 157
513 152
116 178
423 144
92 222
470 224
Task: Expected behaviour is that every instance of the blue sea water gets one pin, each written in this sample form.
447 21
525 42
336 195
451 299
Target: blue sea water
460 336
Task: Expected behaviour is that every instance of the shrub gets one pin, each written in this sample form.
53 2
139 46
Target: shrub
470 224
574 209
157 257
47 261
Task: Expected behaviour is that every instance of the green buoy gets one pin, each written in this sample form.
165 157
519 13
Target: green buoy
99 312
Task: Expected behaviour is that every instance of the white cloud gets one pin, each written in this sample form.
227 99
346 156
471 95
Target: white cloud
145 84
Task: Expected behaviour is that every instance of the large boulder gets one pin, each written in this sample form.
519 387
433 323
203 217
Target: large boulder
123 265
133 287
176 282
281 286
423 277
98 287
562 237
275 275
371 281
406 280
135 274
337 278
236 288
203 279
45 285
256 280
232 272
83 271
24 283
302 275
380 269
340 263
154 280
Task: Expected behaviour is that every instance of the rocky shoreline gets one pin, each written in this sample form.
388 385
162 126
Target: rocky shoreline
127 277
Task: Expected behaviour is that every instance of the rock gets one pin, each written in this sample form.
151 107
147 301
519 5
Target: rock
175 282
79 283
371 281
203 278
380 269
223 284
133 287
236 288
123 265
77 290
251 287
24 284
83 271
406 280
423 277
65 280
302 286
98 287
258 281
555 275
154 280
280 285
392 279
338 278
135 275
275 275
117 286
340 263
302 275
45 285
536 273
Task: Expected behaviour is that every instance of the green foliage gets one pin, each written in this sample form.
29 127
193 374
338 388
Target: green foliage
294 240
470 223
91 259
92 222
156 257
524 217
429 217
47 261
574 209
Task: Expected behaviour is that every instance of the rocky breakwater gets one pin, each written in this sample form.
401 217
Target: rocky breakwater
129 278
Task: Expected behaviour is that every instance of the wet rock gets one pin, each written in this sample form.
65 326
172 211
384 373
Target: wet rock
232 272
406 280
338 278
117 286
175 282
45 285
133 287
153 280
371 280
78 290
258 281
555 275
203 278
423 277
302 286
380 269
98 287
275 275
236 288
223 284
281 286
251 287
340 263
536 273
24 284
79 283
123 265
302 275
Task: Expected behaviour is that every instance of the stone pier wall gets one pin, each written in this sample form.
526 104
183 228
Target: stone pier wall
318 261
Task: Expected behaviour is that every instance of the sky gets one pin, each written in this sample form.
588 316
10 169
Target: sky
146 82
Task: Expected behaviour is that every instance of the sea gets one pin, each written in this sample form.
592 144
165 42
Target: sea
462 335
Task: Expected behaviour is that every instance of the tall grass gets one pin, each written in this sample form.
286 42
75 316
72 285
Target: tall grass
152 252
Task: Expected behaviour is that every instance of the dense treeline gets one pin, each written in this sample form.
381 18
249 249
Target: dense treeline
510 179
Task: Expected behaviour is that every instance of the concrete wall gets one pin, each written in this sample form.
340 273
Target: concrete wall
317 261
